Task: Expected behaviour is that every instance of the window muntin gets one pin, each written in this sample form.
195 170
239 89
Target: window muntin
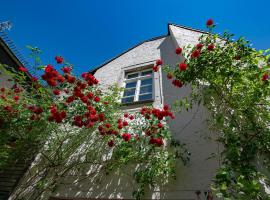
138 86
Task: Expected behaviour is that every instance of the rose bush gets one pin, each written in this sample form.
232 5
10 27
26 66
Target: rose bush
72 124
231 79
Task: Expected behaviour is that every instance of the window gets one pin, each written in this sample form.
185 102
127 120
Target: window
138 86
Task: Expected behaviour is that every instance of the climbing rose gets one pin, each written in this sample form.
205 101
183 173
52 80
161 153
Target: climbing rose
131 117
59 59
195 54
34 79
16 98
159 62
210 47
169 76
182 66
22 69
126 115
96 99
265 76
3 89
209 22
66 69
125 123
155 68
199 46
111 143
126 136
56 92
177 83
160 125
178 50
166 107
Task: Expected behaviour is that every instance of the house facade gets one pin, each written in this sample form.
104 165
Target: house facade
132 70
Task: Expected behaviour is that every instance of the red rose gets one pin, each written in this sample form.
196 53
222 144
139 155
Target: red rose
16 98
126 136
265 76
3 89
169 76
66 69
56 92
107 125
131 117
177 83
59 59
49 68
178 50
199 46
126 115
195 54
210 47
34 79
155 68
96 99
22 69
125 123
160 125
159 62
209 22
182 66
111 143
120 126
166 107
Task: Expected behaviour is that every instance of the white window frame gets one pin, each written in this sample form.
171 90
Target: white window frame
138 80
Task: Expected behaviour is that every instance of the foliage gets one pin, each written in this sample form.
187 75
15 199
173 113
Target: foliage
72 125
231 79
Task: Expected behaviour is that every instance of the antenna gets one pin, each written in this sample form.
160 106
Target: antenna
7 25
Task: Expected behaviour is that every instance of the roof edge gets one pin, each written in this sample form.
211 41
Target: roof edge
93 71
185 27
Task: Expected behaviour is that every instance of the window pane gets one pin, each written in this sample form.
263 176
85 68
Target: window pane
132 75
146 73
131 84
129 92
127 100
145 97
146 81
146 89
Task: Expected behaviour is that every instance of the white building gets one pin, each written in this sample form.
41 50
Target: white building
133 70
129 70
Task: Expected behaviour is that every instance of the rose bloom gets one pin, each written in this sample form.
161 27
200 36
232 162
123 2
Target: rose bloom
182 66
265 76
155 68
22 69
210 47
169 76
16 98
111 143
178 50
59 59
56 92
159 62
66 69
209 22
195 54
199 46
126 136
34 79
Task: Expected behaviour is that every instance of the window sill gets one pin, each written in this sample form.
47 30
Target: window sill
138 102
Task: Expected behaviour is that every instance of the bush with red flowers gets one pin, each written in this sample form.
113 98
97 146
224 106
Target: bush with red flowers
67 113
231 79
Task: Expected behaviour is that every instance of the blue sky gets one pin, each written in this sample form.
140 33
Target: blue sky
89 32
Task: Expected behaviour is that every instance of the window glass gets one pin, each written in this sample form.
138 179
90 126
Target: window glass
144 73
146 81
145 97
129 92
146 89
131 84
127 100
133 75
